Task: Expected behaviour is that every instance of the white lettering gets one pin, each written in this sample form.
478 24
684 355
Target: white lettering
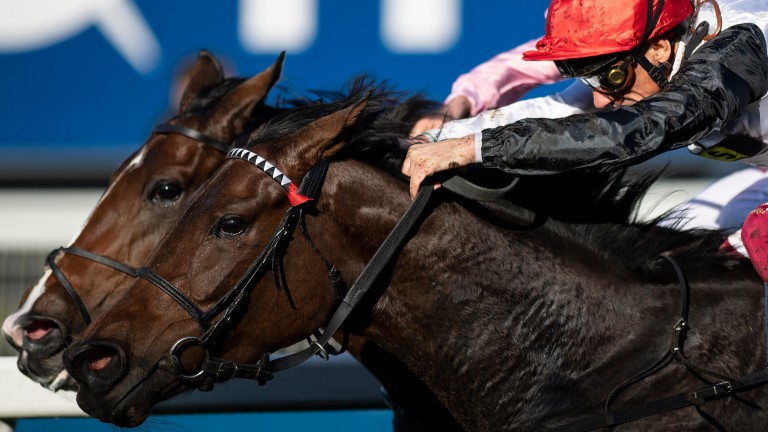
269 26
406 26
420 26
34 24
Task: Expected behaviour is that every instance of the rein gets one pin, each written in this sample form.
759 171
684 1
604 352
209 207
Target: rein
123 268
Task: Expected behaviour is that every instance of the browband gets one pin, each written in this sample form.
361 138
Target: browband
294 196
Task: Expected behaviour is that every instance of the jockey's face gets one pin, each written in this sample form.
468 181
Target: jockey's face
636 84
639 88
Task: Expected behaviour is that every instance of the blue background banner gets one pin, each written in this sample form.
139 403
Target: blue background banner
100 72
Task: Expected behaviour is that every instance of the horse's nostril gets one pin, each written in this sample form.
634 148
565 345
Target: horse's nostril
42 337
99 357
37 329
98 366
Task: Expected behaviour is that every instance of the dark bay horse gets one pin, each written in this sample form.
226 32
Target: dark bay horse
513 328
144 196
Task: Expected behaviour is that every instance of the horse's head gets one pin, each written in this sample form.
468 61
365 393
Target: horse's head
144 196
123 361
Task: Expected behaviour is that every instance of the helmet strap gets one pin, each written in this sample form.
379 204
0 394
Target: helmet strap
651 19
657 73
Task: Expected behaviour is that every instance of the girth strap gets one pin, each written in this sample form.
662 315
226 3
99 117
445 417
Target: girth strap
659 406
725 387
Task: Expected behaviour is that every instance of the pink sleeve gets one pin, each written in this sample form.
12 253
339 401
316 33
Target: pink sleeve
503 79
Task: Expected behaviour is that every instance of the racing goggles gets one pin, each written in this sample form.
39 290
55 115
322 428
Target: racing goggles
613 80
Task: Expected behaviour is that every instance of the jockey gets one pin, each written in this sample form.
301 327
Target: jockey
675 73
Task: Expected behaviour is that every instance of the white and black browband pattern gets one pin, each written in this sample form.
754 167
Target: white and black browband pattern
262 164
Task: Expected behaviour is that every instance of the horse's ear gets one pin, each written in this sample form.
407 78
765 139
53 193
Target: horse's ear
207 72
319 139
235 109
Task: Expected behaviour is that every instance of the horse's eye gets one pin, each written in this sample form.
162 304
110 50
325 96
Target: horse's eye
231 226
166 191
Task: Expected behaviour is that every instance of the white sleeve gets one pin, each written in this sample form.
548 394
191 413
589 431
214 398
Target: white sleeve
575 99
705 209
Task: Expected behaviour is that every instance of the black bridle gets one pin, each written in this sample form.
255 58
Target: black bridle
229 308
123 268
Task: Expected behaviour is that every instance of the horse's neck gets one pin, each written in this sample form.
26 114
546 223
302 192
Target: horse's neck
448 294
548 336
498 323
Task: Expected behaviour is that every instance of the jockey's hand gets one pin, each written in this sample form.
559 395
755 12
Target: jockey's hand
428 122
456 108
423 160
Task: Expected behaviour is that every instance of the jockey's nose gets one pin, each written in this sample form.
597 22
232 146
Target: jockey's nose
98 365
600 100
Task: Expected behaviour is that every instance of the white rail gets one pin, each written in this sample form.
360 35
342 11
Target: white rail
339 383
23 398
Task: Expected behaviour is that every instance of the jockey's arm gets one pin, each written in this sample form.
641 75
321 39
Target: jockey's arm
711 89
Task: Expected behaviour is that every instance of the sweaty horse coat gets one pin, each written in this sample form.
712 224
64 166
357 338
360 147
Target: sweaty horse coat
520 327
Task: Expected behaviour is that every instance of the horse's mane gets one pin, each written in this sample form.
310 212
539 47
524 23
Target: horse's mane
388 116
588 210
638 247
387 119
596 215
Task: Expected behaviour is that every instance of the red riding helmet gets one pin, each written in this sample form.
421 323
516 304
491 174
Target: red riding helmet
604 30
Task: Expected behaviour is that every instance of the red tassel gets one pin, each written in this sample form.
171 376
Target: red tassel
295 197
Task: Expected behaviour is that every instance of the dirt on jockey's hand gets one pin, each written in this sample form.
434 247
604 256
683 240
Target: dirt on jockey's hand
423 160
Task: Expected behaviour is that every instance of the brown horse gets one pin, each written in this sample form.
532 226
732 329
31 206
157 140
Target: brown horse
144 196
170 170
513 328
